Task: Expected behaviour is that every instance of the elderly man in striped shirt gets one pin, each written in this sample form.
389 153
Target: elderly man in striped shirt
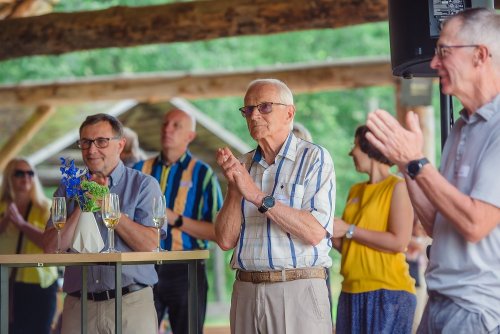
277 216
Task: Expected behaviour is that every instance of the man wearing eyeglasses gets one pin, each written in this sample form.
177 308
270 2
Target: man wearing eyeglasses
459 206
193 197
277 216
101 142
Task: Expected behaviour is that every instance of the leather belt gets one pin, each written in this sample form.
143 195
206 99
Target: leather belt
108 294
280 276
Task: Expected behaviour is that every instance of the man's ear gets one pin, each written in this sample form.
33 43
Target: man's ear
121 144
291 112
192 136
481 55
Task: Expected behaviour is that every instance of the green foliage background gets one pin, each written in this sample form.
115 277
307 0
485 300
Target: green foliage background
331 117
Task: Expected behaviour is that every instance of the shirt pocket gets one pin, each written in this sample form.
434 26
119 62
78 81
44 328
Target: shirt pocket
291 194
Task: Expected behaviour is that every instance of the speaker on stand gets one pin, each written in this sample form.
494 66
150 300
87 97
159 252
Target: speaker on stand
414 28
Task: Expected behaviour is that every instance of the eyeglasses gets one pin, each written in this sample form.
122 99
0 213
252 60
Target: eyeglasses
19 173
99 142
263 108
442 51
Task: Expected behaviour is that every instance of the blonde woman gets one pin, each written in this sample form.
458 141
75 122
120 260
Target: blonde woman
24 211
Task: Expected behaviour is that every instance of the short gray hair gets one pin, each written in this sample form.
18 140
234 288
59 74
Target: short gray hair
285 93
480 26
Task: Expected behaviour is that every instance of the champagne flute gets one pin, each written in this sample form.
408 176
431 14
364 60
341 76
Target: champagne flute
59 218
111 213
159 217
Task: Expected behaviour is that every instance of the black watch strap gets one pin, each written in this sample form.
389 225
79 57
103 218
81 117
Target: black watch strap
414 167
179 221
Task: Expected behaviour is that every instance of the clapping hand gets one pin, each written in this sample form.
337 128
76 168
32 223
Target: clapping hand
393 140
14 216
235 173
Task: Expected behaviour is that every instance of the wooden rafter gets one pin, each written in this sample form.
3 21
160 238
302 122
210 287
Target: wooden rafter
10 9
349 73
186 21
24 134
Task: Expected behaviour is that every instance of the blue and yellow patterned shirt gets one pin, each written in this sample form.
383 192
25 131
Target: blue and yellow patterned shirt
191 190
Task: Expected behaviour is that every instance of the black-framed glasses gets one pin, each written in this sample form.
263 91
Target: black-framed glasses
263 108
19 173
99 142
441 50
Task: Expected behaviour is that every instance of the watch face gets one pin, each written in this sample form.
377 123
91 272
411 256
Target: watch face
268 202
414 167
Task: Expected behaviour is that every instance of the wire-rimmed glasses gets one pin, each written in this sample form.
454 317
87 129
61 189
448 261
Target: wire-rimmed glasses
59 218
110 209
263 108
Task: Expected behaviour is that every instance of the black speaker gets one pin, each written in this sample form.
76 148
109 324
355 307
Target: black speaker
414 27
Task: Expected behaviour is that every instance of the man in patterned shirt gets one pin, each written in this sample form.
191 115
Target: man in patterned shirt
193 198
277 216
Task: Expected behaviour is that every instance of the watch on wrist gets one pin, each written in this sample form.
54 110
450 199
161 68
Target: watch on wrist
415 166
267 203
178 221
350 231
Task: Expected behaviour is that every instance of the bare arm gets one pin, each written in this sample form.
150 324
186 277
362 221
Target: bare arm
50 233
424 209
228 221
398 234
472 218
138 237
199 229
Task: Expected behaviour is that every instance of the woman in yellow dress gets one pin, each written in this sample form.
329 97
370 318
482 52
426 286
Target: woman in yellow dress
378 293
24 211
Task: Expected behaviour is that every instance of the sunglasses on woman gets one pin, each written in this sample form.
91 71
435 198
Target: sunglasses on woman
19 173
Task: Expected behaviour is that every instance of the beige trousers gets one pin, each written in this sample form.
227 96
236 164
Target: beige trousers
294 307
138 314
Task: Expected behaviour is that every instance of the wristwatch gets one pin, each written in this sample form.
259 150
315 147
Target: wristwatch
267 203
350 231
415 166
178 221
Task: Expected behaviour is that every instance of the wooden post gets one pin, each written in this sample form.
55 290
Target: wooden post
426 118
25 134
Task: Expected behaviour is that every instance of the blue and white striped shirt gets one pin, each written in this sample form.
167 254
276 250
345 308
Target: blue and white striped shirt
302 177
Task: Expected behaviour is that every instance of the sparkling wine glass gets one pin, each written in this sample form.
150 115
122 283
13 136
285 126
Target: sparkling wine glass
59 218
159 217
111 213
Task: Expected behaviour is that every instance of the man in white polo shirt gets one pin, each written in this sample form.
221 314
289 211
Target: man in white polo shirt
277 216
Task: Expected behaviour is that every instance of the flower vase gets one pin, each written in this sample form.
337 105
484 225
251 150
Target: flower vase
87 238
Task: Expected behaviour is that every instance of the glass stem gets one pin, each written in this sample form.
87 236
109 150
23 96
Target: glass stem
58 242
159 247
111 239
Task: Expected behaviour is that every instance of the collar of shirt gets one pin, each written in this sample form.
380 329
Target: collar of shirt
288 150
116 175
486 111
183 160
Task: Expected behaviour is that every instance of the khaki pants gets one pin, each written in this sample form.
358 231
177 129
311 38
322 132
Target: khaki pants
294 307
138 314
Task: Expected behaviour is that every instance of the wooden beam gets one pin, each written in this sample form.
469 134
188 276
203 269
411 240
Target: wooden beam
120 26
23 8
24 134
346 74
